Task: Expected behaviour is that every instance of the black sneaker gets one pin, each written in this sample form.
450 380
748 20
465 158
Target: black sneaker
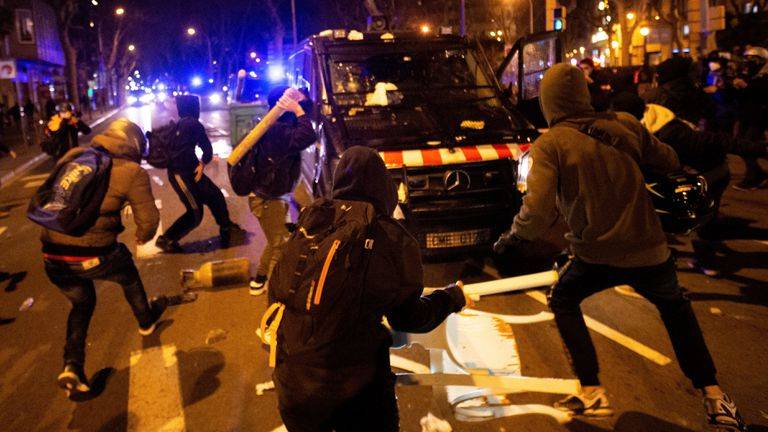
723 415
157 306
227 232
592 405
72 380
167 245
256 286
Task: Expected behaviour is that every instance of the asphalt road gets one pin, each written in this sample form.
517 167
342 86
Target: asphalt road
181 379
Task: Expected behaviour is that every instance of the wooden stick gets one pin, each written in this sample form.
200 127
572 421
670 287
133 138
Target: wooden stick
499 286
254 135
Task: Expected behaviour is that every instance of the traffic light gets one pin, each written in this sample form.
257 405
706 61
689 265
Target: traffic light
555 15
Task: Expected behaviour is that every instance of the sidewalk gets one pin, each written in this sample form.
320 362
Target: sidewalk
28 153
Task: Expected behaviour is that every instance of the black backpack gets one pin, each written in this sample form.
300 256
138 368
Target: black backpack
316 288
161 144
70 200
255 171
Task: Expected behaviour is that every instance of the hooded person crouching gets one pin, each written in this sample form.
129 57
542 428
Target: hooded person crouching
587 167
74 263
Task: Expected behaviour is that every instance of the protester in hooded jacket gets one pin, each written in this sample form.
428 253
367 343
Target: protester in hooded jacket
704 152
187 177
616 237
279 159
677 91
360 396
74 263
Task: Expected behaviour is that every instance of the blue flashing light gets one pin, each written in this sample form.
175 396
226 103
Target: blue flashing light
197 81
276 72
252 74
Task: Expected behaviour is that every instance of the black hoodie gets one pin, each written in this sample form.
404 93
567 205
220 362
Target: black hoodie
191 135
394 283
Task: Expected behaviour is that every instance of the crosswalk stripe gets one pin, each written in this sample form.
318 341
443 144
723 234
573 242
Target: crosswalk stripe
225 193
154 395
158 181
34 184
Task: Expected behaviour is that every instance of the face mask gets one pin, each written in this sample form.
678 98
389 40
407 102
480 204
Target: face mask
66 115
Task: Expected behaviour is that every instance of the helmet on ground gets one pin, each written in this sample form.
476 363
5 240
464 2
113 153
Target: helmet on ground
682 201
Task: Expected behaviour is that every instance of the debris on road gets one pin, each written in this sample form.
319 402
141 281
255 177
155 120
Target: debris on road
263 387
27 304
430 423
218 273
716 311
215 336
158 181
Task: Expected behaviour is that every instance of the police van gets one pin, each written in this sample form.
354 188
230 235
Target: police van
435 110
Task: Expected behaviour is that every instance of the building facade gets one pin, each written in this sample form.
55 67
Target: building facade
31 58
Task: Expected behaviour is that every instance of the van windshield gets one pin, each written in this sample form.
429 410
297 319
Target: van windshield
435 92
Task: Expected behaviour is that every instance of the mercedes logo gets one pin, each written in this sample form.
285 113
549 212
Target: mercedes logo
457 180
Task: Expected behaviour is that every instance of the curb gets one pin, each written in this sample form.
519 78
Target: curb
29 165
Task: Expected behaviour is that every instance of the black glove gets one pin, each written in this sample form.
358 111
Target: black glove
506 239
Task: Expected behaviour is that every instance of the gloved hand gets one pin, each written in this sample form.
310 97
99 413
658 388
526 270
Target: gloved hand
290 102
506 239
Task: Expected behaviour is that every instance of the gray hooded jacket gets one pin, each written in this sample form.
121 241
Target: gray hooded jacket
598 189
128 184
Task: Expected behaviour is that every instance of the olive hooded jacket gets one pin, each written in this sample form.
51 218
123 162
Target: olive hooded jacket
597 188
128 184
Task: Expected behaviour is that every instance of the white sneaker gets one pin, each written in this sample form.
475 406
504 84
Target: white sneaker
723 415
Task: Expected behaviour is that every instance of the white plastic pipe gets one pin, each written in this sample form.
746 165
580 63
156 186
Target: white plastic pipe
518 283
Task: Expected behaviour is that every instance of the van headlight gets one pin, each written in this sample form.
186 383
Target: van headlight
524 165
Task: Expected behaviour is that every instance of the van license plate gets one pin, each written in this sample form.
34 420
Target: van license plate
458 238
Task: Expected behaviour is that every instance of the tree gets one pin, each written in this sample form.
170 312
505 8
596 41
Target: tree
65 13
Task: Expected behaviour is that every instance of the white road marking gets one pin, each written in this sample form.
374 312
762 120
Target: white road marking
158 181
154 393
34 184
225 193
598 327
159 204
35 177
614 335
3 229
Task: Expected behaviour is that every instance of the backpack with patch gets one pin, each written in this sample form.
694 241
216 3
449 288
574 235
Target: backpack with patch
316 288
161 142
70 200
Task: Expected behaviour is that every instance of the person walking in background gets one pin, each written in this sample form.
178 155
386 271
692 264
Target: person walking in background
702 151
678 92
587 168
50 109
64 130
187 177
599 87
278 163
752 88
74 263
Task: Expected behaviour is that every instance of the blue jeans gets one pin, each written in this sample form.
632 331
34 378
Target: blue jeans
659 285
76 283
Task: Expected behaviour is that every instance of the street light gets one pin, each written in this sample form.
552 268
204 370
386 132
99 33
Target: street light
645 31
120 11
425 28
253 55
95 2
630 16
131 47
191 31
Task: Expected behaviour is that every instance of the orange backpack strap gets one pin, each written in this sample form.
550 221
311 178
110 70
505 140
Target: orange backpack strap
269 329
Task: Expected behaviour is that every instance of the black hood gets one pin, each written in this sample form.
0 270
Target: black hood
362 176
188 106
